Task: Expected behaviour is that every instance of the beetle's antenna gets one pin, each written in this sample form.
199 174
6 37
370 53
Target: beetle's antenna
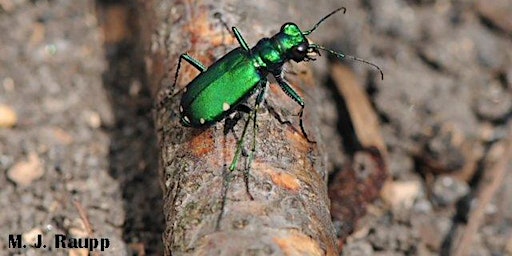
341 56
324 18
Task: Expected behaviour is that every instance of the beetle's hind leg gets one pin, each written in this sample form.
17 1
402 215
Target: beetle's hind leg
240 142
228 176
195 63
259 100
252 116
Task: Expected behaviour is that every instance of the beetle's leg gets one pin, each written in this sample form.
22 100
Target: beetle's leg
243 108
235 31
261 93
229 175
240 39
218 16
195 63
234 118
238 152
252 115
240 143
259 100
296 97
275 113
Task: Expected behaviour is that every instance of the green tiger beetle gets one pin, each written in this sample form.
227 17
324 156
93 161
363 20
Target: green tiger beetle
220 88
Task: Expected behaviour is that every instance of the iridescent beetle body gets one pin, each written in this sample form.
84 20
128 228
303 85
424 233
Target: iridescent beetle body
229 81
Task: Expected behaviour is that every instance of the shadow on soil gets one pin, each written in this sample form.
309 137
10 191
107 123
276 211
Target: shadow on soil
133 150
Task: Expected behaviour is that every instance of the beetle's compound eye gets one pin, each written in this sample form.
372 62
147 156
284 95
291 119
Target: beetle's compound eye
287 26
299 52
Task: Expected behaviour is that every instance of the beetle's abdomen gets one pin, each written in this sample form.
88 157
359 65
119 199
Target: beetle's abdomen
215 92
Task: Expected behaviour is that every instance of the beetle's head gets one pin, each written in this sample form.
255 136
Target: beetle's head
298 47
296 44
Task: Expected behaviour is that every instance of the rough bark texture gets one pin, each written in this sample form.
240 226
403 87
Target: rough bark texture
207 209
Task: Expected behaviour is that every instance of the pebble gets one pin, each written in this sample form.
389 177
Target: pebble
494 103
30 237
447 190
8 117
404 193
79 252
25 172
93 119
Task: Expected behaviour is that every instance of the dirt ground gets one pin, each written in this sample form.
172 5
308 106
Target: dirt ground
77 140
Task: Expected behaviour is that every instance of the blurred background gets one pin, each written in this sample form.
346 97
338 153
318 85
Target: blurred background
77 135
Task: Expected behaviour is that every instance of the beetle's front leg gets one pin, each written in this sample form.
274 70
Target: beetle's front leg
286 87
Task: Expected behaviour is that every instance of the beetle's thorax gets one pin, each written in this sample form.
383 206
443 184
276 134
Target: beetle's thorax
271 53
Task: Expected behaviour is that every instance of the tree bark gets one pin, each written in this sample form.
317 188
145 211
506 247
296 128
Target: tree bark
207 208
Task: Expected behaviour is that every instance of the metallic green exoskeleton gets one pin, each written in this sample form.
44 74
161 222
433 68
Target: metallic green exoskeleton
216 91
219 89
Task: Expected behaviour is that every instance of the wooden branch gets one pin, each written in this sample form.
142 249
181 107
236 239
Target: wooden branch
207 208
